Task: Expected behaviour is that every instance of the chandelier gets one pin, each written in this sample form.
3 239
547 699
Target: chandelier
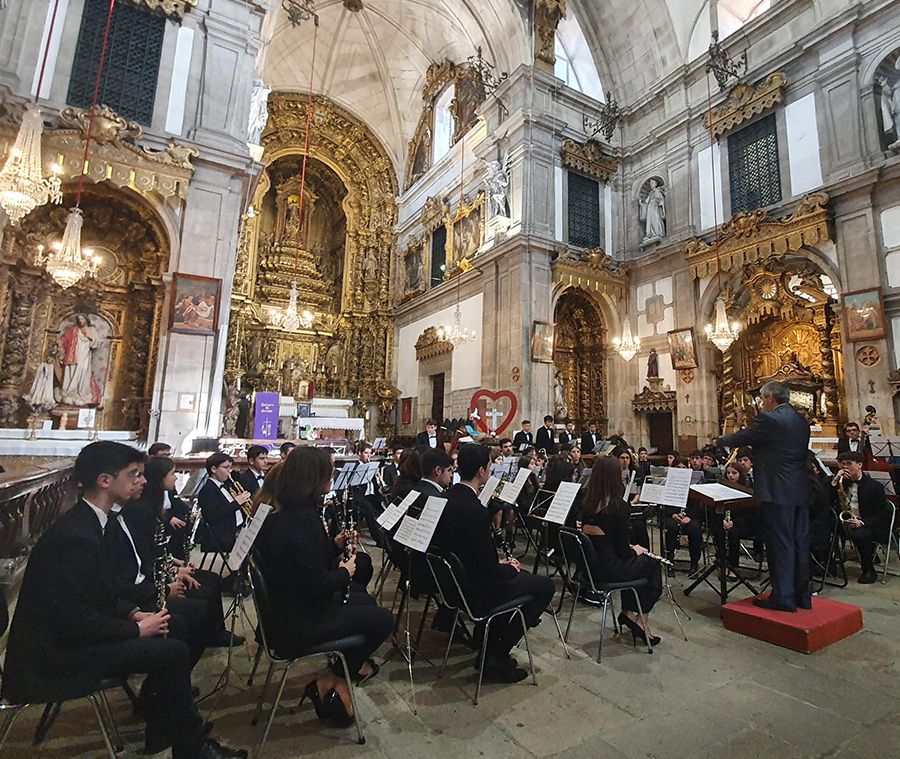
456 333
289 318
22 184
66 261
627 345
723 333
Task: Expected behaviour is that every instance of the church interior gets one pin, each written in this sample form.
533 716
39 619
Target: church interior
382 224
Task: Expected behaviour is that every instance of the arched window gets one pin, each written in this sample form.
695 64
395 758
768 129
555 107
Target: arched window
443 124
574 60
731 16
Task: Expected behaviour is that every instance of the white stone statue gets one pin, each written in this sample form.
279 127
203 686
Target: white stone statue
259 112
41 394
653 212
77 344
496 182
559 396
890 107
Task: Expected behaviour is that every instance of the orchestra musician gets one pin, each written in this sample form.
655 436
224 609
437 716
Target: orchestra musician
568 436
545 438
221 501
176 514
589 439
430 438
367 497
285 448
464 530
869 519
853 439
524 438
308 576
71 630
780 440
643 467
744 523
639 533
577 460
257 465
391 470
605 520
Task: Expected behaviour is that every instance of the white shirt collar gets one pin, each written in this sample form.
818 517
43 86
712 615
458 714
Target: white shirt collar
432 482
101 515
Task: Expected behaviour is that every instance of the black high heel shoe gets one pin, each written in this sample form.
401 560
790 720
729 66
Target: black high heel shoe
329 708
637 632
311 692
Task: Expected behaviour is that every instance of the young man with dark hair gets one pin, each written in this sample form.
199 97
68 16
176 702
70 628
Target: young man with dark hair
546 436
567 436
464 530
643 467
160 449
864 498
851 440
285 448
367 497
437 473
257 465
70 630
695 460
220 505
589 439
524 437
430 438
745 461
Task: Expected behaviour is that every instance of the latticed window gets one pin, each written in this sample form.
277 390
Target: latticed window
438 255
754 173
584 211
131 70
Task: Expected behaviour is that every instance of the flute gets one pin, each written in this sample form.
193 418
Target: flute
660 559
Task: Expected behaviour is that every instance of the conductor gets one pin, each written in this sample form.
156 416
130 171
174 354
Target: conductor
780 440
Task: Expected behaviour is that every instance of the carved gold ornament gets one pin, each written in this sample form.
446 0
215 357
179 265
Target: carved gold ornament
547 15
746 101
430 345
591 270
174 9
755 236
590 159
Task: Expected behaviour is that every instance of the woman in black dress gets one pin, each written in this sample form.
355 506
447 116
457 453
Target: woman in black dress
312 594
605 516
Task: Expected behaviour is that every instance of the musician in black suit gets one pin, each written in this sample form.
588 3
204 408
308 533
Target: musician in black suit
589 439
464 530
546 437
780 440
391 470
871 520
524 438
437 474
430 438
567 436
254 475
70 630
221 509
852 440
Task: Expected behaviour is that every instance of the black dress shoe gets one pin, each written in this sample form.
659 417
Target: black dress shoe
867 577
155 742
766 603
502 670
223 639
211 749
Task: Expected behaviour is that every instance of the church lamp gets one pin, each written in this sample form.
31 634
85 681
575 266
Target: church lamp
722 334
627 345
67 262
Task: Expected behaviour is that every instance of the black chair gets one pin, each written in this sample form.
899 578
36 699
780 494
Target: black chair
450 578
334 648
575 549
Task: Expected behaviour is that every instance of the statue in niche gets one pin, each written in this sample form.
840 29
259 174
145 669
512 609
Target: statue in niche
40 397
414 272
653 211
370 265
259 112
292 372
497 184
559 396
333 360
652 365
890 105
78 342
292 219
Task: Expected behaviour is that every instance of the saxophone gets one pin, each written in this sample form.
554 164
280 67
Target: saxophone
845 514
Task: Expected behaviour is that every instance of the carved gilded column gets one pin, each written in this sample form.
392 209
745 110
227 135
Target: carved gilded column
15 349
547 15
824 321
728 389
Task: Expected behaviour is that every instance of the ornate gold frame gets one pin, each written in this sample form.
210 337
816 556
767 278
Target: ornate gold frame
745 101
589 158
465 209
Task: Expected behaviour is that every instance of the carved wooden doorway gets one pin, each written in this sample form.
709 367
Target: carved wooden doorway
580 357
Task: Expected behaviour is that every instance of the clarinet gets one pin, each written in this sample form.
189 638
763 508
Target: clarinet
160 568
350 547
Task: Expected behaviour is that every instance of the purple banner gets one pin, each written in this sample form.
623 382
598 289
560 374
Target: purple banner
265 417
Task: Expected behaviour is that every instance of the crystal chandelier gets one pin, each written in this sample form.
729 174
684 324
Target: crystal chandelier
22 184
66 261
455 333
627 345
289 318
723 333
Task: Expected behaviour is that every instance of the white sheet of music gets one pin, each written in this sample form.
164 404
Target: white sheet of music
405 530
343 478
719 492
562 502
395 511
423 527
677 487
512 489
488 490
363 474
246 537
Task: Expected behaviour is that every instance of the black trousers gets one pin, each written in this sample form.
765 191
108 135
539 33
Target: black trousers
168 709
694 532
635 568
865 539
507 631
787 543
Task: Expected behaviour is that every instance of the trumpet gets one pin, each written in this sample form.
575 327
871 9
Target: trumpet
236 490
845 514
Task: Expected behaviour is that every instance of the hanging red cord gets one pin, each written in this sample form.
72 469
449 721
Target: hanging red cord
37 94
100 64
712 171
309 115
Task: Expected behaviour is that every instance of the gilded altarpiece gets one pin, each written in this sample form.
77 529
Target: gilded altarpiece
124 306
339 255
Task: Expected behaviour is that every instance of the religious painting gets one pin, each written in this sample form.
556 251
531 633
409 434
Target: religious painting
195 304
406 411
864 315
465 234
82 364
542 342
469 95
683 349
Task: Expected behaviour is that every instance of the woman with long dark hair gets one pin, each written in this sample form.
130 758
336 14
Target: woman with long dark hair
409 472
309 578
605 515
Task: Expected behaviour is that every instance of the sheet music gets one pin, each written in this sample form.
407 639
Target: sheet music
488 490
652 492
562 502
406 530
511 490
246 537
393 513
677 487
423 527
342 480
719 492
363 474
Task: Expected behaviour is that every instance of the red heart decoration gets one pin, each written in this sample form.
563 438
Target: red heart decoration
495 396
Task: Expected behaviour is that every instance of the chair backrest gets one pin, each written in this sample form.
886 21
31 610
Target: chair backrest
450 579
577 552
263 604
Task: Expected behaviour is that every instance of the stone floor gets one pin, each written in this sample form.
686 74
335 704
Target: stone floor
715 695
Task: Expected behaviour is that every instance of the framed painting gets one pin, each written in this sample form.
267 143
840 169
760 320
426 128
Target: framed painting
683 348
406 411
542 334
195 304
465 233
864 315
